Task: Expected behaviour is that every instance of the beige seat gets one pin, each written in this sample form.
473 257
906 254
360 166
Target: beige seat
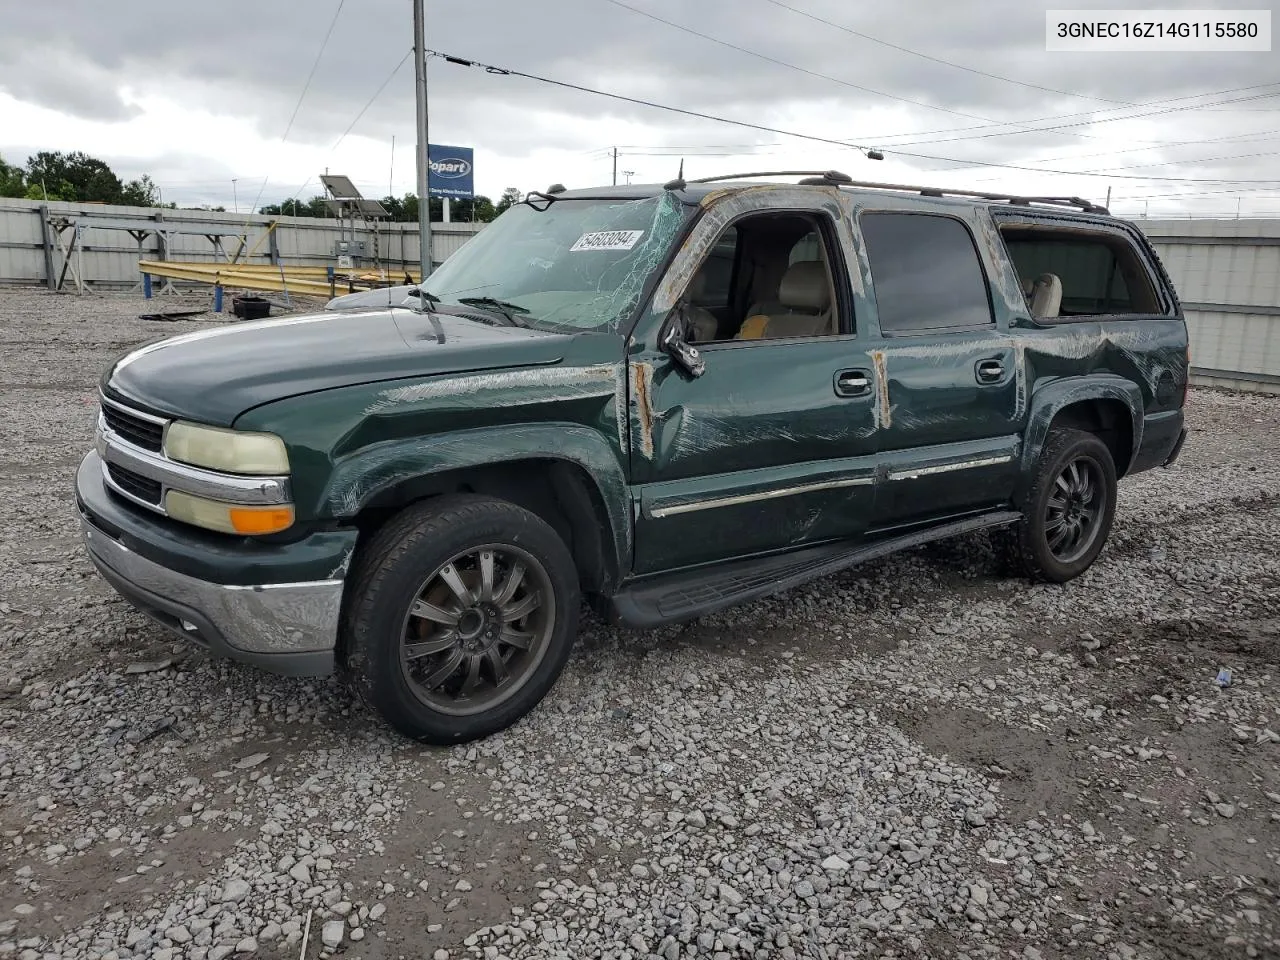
1045 298
804 296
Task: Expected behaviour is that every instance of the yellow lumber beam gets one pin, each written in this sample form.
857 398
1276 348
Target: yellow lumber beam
300 279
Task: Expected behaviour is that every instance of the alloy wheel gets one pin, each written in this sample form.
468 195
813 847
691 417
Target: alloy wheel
1074 510
477 629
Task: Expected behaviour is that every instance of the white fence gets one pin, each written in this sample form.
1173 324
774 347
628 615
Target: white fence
106 255
1227 274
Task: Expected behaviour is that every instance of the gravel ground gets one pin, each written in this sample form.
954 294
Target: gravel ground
914 759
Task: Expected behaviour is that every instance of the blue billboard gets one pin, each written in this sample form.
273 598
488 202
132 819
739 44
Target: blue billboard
450 172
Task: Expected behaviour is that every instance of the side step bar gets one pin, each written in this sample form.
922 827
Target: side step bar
673 597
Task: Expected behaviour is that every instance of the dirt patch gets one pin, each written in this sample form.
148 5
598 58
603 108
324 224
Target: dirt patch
452 868
1035 770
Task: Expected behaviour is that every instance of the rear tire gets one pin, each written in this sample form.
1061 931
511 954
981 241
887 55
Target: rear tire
1068 511
461 615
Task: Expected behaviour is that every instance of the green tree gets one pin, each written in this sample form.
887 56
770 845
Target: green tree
73 176
142 192
510 197
13 181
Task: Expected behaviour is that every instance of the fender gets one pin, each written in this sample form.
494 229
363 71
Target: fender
1048 400
361 475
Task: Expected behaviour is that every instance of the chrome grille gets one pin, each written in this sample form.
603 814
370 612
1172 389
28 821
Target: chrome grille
134 484
140 430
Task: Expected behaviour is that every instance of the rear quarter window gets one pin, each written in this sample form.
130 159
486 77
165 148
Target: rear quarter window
1101 273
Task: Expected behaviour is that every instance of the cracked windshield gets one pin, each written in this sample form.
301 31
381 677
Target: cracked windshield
578 264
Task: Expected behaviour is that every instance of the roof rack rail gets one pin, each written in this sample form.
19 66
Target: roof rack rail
824 177
838 179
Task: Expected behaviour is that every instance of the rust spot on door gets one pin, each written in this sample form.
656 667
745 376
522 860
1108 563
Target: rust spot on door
642 395
884 413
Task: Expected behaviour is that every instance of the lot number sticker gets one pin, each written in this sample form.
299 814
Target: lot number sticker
607 240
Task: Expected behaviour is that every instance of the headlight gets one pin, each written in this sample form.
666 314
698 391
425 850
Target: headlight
232 451
227 517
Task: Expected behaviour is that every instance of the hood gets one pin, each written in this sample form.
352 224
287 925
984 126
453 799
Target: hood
213 376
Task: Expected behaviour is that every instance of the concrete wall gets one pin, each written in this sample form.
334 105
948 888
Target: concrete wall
1227 274
110 257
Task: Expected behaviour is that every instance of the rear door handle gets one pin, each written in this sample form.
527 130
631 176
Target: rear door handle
852 383
989 371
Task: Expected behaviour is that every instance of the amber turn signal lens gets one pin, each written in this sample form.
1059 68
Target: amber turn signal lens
228 517
259 520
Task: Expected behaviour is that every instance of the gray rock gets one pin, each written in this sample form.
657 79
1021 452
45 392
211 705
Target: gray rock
331 933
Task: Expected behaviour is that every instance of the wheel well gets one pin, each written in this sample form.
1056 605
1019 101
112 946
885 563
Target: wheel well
1109 420
561 493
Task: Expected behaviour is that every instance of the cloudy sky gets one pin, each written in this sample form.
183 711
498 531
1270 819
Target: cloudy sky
199 95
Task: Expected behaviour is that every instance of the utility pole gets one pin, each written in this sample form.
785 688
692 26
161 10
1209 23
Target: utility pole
615 166
424 198
1108 203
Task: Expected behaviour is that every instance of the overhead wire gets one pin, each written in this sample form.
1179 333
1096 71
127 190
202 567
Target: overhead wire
813 73
1093 114
933 59
352 125
506 71
1092 120
564 84
333 22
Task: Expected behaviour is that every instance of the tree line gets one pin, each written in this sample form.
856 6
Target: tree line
78 177
480 209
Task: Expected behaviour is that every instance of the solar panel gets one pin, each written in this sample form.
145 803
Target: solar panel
339 186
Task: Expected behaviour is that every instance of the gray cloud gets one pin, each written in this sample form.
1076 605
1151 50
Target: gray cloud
251 59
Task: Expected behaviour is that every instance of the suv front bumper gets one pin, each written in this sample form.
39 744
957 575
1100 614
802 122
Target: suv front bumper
288 627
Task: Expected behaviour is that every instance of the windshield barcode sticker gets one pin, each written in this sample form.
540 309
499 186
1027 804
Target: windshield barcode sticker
607 240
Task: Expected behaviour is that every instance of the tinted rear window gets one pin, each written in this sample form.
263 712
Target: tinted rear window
925 273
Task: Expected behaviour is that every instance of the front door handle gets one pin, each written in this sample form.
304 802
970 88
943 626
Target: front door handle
852 383
989 371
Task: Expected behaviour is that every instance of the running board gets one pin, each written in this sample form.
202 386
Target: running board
683 595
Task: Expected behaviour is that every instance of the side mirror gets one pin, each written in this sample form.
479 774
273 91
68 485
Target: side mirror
674 341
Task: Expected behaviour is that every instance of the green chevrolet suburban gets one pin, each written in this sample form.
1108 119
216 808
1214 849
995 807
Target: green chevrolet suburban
662 399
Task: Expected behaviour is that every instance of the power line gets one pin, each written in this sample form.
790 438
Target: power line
1170 163
303 95
987 121
505 71
510 72
804 70
314 64
1235 138
377 93
1091 114
351 126
1090 122
946 63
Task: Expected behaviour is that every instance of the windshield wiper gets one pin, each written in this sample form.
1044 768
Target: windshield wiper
506 309
426 306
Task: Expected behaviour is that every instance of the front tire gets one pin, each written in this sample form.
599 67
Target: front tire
461 617
1069 509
